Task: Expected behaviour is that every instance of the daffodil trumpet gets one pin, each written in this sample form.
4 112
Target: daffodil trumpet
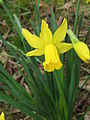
48 44
80 48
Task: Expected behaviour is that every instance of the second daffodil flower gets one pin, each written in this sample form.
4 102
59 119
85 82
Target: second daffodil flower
49 45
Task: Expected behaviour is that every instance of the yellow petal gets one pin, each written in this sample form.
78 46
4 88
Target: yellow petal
36 52
52 60
2 116
60 33
64 47
32 39
82 51
46 34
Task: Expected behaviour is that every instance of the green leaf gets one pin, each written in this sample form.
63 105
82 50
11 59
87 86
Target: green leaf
76 17
47 1
14 103
33 26
88 78
87 35
63 104
15 25
71 92
38 18
80 23
18 22
53 22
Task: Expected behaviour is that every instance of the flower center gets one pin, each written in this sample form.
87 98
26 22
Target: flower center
52 60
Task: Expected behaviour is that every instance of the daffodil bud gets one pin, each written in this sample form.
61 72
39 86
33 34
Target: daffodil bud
80 48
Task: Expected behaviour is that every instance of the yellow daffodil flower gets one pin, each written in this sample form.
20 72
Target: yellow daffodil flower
2 116
49 45
81 48
87 1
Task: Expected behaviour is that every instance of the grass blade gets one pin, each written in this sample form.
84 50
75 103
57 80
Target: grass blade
76 18
13 22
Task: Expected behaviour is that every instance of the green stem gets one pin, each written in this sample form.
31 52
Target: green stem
52 85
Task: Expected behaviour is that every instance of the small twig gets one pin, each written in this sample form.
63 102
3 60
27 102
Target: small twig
27 117
14 112
85 70
26 13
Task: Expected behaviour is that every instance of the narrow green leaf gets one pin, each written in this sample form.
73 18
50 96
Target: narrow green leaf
13 22
88 78
80 23
53 22
63 103
87 35
10 101
76 17
38 18
18 22
71 92
34 28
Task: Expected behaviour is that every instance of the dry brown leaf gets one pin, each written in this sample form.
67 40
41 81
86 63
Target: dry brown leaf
4 57
66 6
9 68
87 116
22 81
0 43
74 118
4 24
6 34
27 88
87 86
